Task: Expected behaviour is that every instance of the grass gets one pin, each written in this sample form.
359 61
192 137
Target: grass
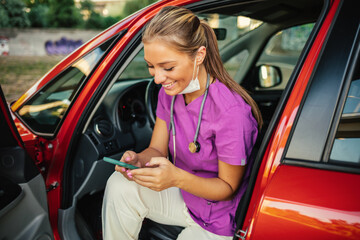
19 73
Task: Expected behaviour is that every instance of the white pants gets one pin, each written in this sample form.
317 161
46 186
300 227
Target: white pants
126 204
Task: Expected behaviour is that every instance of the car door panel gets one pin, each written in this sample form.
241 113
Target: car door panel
11 194
310 206
25 217
321 200
23 204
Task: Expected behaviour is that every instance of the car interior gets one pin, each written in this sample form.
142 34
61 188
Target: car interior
260 43
268 39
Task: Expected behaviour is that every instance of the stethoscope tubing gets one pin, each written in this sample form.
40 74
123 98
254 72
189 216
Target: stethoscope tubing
172 123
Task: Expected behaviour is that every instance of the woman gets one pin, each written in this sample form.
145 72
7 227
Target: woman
208 122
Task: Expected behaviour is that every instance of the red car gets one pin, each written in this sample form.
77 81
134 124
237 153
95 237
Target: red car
300 60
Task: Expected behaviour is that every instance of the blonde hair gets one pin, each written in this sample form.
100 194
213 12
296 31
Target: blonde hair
182 29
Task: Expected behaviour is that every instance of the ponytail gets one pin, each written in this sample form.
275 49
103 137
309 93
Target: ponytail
214 66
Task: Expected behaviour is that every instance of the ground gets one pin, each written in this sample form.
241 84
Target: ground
19 73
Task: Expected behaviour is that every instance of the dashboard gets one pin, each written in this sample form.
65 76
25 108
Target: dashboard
120 123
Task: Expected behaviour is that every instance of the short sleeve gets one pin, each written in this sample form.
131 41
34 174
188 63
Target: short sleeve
163 106
235 135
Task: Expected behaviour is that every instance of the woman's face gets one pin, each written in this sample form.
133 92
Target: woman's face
169 67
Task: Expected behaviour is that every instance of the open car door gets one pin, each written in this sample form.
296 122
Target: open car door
23 204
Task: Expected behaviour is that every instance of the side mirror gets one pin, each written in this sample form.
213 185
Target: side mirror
268 76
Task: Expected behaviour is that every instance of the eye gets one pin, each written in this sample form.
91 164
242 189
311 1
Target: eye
169 69
148 66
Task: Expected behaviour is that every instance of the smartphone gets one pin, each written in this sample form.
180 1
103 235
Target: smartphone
117 162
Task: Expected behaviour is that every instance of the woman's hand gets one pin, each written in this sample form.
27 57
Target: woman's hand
158 174
131 158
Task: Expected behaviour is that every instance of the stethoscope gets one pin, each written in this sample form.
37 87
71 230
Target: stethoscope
194 146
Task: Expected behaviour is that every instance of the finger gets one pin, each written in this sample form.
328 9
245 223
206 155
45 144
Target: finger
155 162
143 178
144 183
144 172
130 156
123 171
127 176
126 157
120 169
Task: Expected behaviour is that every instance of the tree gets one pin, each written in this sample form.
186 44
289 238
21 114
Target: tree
38 16
12 14
37 12
32 3
4 17
133 6
93 19
63 13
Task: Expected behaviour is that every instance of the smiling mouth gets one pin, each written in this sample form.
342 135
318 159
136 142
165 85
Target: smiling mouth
168 85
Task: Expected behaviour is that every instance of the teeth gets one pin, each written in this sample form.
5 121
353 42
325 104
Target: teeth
168 85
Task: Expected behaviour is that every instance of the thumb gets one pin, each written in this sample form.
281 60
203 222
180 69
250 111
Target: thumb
155 162
129 156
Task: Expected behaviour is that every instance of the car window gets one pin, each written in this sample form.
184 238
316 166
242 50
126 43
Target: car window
137 68
228 29
283 51
346 147
44 111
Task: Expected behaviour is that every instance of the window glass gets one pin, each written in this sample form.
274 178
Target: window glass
137 68
228 29
346 148
235 64
44 111
283 51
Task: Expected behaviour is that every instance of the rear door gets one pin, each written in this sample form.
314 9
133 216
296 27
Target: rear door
23 204
313 193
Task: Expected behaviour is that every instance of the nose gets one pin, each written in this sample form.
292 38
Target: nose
159 77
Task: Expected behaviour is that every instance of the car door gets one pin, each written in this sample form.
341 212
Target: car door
310 179
23 204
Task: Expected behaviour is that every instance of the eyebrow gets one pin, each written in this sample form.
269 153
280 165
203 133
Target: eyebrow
162 63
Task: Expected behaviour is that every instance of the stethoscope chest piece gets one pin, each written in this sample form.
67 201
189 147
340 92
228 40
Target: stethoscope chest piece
194 147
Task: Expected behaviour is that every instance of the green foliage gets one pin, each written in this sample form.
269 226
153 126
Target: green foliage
12 14
4 17
87 5
32 3
109 21
94 19
63 13
133 6
38 16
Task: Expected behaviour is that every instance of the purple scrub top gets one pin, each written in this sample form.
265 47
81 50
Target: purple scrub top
227 133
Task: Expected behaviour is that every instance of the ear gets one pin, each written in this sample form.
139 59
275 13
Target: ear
200 55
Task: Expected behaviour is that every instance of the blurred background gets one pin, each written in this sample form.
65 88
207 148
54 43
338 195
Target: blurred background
36 34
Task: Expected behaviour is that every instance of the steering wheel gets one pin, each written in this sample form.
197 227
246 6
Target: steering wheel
151 97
